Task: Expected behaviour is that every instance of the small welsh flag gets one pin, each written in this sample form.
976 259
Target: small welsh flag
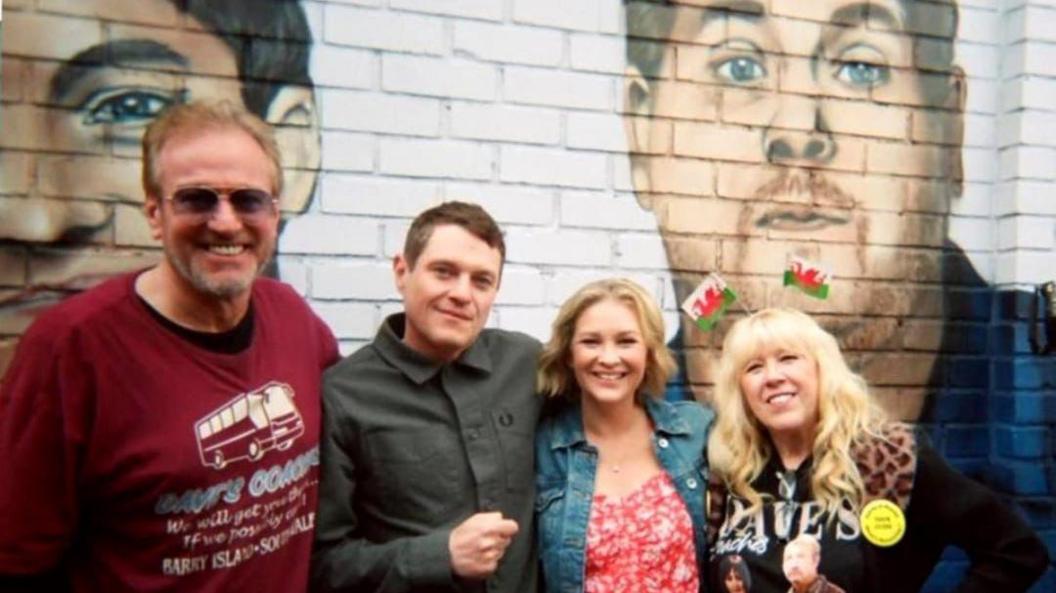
708 302
810 277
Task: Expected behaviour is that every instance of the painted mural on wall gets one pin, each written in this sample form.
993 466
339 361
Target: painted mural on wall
83 91
829 130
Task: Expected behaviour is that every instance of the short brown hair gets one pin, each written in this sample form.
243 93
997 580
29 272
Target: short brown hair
197 116
471 217
555 377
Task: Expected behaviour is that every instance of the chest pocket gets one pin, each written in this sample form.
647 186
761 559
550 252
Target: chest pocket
516 430
549 515
422 475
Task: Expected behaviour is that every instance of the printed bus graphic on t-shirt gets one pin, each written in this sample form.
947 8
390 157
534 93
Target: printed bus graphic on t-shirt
249 426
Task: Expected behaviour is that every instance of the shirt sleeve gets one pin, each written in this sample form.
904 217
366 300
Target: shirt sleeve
344 559
42 426
1005 554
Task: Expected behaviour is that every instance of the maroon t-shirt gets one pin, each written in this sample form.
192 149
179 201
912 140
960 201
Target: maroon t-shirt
146 463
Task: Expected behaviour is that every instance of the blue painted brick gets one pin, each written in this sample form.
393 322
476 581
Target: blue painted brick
1020 477
953 406
965 338
1023 442
1010 339
977 468
969 304
1013 305
966 441
1024 407
1018 373
969 372
1040 513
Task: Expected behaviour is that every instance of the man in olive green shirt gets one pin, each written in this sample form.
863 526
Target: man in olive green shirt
427 459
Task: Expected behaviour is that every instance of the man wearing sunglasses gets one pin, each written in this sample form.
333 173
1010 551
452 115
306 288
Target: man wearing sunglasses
160 431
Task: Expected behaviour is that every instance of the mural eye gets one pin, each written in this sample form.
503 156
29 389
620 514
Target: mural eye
126 106
863 74
741 70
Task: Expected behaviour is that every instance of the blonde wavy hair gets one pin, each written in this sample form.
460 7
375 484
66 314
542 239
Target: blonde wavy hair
739 447
555 376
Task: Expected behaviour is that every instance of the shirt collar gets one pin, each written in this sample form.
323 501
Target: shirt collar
418 368
568 427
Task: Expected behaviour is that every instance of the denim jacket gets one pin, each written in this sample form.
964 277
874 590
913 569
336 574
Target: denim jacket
564 477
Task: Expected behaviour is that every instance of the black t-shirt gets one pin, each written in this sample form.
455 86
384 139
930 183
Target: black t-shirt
760 537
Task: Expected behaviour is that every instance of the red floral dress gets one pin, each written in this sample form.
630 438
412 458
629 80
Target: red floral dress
642 542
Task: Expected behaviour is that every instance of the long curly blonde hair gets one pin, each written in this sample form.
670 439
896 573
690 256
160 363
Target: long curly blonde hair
739 447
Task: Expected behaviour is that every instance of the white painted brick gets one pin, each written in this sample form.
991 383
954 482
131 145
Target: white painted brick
611 19
509 43
349 320
598 53
976 199
543 166
1026 197
293 271
343 67
521 286
349 347
383 30
980 131
367 280
604 211
1037 92
333 235
537 86
566 282
1038 127
507 204
576 248
1027 232
972 234
979 164
981 26
983 96
395 235
582 15
505 122
377 196
1040 58
640 251
480 9
345 151
1040 23
599 131
621 173
983 61
1022 266
436 158
376 112
1028 162
532 321
438 77
358 2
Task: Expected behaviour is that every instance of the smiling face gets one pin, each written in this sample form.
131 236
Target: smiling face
448 292
217 254
88 87
608 353
780 386
809 130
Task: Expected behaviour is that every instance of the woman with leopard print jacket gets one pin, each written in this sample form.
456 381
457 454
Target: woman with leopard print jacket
801 452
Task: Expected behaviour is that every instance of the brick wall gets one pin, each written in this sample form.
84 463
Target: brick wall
520 105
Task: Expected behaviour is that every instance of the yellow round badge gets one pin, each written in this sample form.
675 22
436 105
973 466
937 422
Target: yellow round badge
883 523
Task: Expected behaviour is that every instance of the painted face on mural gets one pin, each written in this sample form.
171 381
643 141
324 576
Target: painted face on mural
820 129
88 96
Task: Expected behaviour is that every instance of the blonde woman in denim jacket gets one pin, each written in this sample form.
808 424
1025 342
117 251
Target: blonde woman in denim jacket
620 473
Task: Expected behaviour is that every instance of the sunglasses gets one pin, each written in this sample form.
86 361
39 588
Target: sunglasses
248 203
